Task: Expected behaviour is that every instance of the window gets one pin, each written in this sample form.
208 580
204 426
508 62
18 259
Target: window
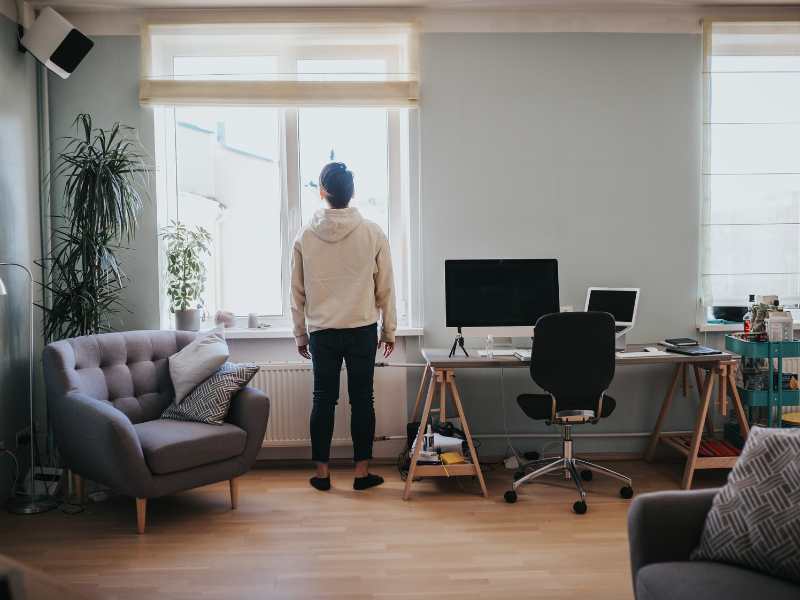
751 208
244 125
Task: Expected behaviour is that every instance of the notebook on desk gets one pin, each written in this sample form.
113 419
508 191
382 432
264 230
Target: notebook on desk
693 350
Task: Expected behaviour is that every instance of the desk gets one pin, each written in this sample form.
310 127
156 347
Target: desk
440 376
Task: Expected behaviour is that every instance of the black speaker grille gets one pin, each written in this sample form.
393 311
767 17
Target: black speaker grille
71 50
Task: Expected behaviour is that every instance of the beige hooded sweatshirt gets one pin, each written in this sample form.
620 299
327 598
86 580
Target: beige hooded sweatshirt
342 275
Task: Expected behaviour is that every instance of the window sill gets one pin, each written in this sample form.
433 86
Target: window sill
728 328
237 333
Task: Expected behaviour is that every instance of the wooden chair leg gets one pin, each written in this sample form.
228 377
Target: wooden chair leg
234 486
141 514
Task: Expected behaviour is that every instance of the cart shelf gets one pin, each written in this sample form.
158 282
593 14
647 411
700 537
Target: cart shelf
751 349
762 397
774 398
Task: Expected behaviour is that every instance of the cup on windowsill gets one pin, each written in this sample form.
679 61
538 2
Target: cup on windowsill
252 321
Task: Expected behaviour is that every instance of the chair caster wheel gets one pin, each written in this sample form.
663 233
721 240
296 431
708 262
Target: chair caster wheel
586 475
510 496
519 475
626 492
579 507
532 455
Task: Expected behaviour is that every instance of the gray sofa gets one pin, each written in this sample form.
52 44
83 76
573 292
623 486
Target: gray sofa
663 529
105 394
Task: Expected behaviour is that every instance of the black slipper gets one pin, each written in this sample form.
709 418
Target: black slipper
364 483
323 484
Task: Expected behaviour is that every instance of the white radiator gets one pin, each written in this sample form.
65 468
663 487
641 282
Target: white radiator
290 387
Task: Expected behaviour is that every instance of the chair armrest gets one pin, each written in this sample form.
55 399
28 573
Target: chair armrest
666 526
99 442
250 411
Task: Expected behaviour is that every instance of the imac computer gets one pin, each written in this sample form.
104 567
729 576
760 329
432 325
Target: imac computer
622 303
500 297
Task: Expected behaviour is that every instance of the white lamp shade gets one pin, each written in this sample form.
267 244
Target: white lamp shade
3 291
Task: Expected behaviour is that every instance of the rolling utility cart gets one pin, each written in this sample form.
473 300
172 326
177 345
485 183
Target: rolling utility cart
773 397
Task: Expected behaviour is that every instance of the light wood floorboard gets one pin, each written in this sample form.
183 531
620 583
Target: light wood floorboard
287 540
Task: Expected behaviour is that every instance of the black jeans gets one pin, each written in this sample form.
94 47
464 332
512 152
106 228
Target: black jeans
329 347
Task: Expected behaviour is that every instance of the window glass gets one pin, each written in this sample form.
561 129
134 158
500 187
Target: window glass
355 136
229 181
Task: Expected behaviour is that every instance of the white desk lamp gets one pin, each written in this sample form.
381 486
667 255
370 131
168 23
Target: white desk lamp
30 503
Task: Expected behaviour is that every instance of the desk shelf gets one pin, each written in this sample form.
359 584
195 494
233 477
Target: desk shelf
423 470
712 453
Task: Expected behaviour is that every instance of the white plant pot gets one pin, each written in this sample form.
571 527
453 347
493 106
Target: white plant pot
187 320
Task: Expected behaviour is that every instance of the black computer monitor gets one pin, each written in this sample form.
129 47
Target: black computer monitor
500 292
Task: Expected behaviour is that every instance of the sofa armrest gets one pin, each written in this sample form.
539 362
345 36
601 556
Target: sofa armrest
250 411
99 442
666 526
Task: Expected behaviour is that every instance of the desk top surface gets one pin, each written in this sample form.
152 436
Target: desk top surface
438 357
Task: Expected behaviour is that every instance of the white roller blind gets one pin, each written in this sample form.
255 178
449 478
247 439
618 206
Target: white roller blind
751 203
279 64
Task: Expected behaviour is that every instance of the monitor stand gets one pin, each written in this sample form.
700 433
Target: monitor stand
620 343
458 342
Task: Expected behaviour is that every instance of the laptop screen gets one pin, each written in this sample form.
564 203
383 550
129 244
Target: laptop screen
620 303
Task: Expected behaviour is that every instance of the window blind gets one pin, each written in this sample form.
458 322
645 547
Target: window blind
750 222
279 64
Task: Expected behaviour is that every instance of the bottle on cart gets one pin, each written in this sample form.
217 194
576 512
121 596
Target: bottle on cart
779 324
748 316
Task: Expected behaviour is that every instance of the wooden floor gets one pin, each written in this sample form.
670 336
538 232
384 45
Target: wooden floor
287 540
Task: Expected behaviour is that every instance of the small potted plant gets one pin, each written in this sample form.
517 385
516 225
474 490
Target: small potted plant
186 272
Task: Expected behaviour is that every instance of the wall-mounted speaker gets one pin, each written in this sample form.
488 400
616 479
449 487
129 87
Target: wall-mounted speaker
56 43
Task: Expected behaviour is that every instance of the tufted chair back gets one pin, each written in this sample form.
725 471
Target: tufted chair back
129 370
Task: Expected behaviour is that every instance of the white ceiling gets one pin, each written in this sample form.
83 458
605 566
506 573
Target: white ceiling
72 5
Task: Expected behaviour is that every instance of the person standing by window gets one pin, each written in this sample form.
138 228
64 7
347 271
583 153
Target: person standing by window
342 283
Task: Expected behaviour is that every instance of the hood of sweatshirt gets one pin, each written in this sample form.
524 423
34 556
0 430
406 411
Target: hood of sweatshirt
335 224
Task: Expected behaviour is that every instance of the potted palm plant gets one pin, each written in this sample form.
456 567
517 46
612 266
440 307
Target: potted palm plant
186 272
102 176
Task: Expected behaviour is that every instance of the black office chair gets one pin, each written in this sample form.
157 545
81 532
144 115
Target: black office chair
573 360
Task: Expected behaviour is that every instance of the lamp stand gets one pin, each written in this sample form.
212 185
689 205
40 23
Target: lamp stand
30 503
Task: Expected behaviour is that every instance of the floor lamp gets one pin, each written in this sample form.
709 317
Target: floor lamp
30 503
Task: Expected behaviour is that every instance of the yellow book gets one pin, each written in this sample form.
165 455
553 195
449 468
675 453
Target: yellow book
452 458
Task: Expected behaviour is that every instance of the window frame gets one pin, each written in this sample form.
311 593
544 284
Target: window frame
705 301
401 159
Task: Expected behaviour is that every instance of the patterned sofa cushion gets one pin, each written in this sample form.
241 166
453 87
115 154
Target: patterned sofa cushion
755 519
210 401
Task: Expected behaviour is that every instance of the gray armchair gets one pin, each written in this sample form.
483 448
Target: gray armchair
663 529
105 394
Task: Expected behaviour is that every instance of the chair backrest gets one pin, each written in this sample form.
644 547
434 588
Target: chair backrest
130 370
573 357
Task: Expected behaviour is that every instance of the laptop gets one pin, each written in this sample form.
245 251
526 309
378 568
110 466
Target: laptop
622 303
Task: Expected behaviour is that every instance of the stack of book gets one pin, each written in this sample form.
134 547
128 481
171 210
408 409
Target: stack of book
687 346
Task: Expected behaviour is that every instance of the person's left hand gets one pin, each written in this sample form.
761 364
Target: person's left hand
388 348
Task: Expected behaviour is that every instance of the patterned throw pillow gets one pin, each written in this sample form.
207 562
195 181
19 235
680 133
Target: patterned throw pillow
754 520
209 402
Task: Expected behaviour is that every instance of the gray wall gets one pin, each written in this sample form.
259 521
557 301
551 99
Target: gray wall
19 235
584 147
106 85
